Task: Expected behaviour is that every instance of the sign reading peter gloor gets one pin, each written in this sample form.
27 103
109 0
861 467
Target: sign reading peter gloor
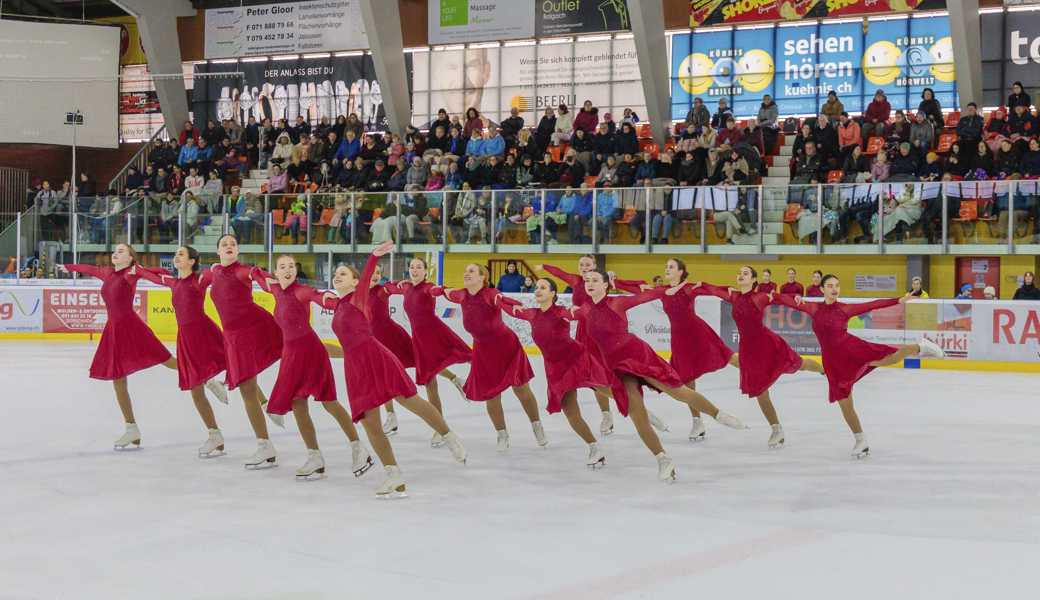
285 28
460 21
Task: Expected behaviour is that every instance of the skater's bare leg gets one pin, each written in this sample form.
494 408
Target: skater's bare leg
123 399
603 399
693 411
640 418
304 423
693 398
898 356
527 401
447 374
811 365
342 417
427 412
171 363
389 406
768 410
494 411
849 412
734 360
253 399
434 395
203 407
378 439
572 411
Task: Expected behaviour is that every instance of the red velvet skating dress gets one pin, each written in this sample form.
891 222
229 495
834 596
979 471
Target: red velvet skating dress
765 288
568 364
374 375
252 340
127 344
499 361
696 348
305 371
764 356
846 357
200 344
435 346
386 330
624 353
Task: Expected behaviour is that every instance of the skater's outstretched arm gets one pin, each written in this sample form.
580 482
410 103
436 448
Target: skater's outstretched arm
570 279
624 303
795 302
632 286
93 271
158 278
852 310
263 278
719 291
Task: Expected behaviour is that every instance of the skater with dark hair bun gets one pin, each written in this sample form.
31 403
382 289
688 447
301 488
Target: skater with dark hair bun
127 344
847 358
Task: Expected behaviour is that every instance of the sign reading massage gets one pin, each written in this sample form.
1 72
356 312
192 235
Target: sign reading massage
461 21
799 65
731 12
285 28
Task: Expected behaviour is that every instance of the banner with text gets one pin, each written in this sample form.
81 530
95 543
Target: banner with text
461 21
574 17
733 12
81 310
284 28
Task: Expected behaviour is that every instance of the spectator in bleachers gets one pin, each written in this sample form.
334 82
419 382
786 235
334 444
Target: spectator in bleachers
606 212
608 120
875 118
587 118
608 173
278 181
899 130
417 173
474 124
922 133
880 169
175 182
571 172
135 183
626 171
629 116
1028 290
398 176
204 155
546 172
1021 127
511 281
849 136
545 130
767 119
707 138
1005 163
930 169
904 165
691 169
626 141
213 133
283 149
931 108
189 154
378 178
371 150
917 288
349 147
996 129
603 141
511 126
901 213
581 145
564 125
729 134
791 286
807 166
798 148
832 107
815 289
718 120
188 132
193 182
1018 96
698 116
982 162
1030 161
969 128
957 164
580 216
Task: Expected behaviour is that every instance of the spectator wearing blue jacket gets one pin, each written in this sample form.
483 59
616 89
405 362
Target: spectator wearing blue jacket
475 147
494 145
606 207
189 154
511 281
580 216
349 147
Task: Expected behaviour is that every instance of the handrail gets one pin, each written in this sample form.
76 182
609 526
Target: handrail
138 160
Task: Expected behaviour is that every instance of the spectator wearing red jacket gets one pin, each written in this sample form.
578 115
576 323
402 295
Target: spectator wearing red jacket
189 131
876 116
730 134
792 287
587 118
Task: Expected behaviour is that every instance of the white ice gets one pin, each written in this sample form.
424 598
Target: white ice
948 505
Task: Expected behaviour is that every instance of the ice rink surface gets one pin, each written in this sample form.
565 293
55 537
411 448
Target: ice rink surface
948 505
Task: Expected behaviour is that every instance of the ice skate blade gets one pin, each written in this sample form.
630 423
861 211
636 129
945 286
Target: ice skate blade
862 455
267 464
607 432
599 464
315 476
391 432
128 447
777 446
439 444
697 438
364 468
671 478
394 495
214 454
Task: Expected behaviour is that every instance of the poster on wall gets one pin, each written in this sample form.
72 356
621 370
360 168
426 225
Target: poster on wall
559 18
734 12
140 114
494 80
461 21
131 52
284 28
1014 56
313 88
21 310
80 310
799 65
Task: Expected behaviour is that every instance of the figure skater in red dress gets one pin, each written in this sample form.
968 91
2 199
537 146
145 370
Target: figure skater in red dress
696 348
763 356
304 370
568 364
373 374
252 341
499 361
434 345
200 344
632 361
127 344
846 357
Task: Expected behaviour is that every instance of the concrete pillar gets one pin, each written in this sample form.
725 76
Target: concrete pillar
966 31
647 17
157 24
382 20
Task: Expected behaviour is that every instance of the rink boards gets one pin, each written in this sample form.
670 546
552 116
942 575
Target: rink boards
976 334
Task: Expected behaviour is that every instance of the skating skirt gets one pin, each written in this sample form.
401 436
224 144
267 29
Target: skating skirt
396 340
252 349
697 350
435 348
764 357
583 371
305 372
499 363
200 353
847 366
635 358
127 346
374 377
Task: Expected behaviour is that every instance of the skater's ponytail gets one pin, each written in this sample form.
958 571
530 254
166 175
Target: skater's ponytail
193 254
681 265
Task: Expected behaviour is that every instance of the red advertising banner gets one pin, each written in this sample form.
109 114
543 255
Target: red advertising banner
733 12
78 310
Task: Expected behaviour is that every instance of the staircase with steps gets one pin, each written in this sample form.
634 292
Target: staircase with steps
774 201
208 235
252 183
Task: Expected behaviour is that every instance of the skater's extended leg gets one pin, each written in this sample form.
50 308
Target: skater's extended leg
427 412
378 440
693 410
691 397
342 417
811 365
304 423
494 411
849 412
433 393
253 399
170 363
572 411
641 420
603 399
898 356
527 401
123 399
768 410
198 395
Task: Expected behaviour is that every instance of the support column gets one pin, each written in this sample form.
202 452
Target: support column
918 265
382 21
157 24
647 18
966 31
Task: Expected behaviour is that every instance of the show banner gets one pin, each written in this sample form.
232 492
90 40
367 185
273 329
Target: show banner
285 28
733 12
81 309
799 65
571 17
21 310
1010 53
460 21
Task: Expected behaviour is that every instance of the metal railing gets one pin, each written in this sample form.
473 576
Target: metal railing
139 161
